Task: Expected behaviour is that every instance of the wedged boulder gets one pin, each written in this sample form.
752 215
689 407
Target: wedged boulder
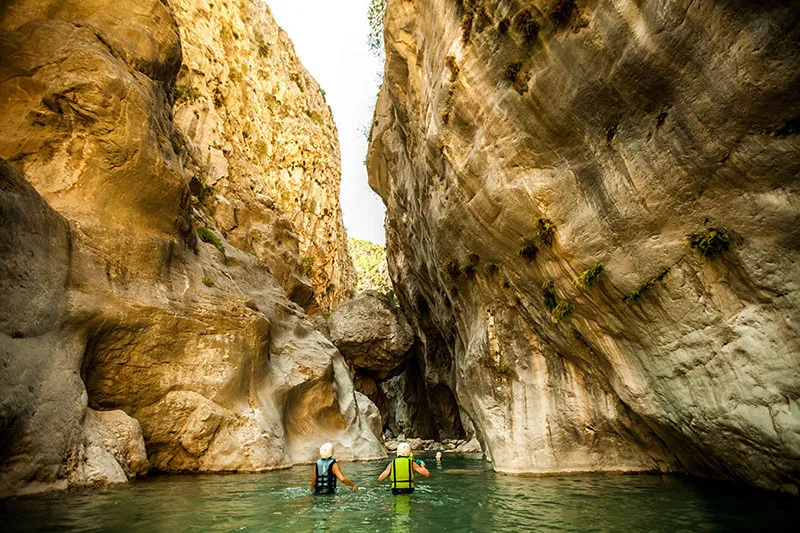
373 335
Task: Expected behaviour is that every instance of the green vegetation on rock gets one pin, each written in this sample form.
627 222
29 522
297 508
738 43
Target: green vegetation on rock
712 244
528 251
375 17
561 312
369 260
307 264
549 293
545 232
591 275
644 287
207 236
187 94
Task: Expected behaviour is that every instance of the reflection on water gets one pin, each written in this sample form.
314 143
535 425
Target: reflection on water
462 495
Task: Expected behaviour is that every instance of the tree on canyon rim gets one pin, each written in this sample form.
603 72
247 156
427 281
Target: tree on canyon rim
375 16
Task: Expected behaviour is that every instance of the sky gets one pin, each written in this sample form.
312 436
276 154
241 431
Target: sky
330 37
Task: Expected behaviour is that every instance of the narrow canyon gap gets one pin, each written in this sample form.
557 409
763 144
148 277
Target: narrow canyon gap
592 237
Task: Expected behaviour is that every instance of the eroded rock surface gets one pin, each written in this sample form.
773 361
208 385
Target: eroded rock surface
262 146
373 335
117 324
517 144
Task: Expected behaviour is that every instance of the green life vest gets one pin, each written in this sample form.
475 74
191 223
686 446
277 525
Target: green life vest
402 474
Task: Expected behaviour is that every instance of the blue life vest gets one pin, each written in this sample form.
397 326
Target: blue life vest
326 480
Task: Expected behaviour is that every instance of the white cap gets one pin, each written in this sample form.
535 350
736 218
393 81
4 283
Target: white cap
403 449
326 450
438 455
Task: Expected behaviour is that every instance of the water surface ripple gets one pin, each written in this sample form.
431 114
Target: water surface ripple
462 495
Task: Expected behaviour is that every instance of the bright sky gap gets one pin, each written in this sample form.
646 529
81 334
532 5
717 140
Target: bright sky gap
349 74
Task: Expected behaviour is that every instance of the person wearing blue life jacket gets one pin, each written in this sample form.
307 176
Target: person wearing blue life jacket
402 470
326 472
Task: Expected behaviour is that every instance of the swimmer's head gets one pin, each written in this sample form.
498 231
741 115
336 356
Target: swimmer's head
326 450
438 456
403 449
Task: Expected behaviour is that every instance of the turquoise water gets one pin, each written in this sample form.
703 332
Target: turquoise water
462 495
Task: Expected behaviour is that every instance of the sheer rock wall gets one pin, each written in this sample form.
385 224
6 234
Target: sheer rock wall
517 144
120 330
262 146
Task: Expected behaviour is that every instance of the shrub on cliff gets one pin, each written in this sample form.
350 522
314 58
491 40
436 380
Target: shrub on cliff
453 268
470 271
207 236
712 244
307 264
591 275
639 291
512 71
549 293
528 251
561 312
375 18
527 26
545 232
187 94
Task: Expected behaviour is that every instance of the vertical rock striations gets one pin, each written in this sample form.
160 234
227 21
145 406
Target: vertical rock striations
126 341
592 213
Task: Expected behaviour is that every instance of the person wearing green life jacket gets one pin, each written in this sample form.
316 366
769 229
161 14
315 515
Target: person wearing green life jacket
402 470
326 472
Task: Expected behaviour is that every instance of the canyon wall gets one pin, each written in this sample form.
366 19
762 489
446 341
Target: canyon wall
260 137
152 274
592 222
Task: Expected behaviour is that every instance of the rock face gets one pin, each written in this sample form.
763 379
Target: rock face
119 329
372 335
519 144
262 146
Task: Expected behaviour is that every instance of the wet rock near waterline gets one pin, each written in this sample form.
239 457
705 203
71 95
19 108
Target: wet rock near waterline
428 445
512 162
372 334
113 449
121 289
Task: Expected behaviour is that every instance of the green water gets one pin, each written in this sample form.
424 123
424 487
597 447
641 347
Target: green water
462 495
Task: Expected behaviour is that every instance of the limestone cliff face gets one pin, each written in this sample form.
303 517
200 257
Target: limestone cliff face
519 144
126 341
262 146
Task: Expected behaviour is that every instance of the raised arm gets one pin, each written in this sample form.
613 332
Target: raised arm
338 473
385 473
421 470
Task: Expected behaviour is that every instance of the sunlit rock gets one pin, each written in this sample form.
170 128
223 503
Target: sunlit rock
133 295
592 223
